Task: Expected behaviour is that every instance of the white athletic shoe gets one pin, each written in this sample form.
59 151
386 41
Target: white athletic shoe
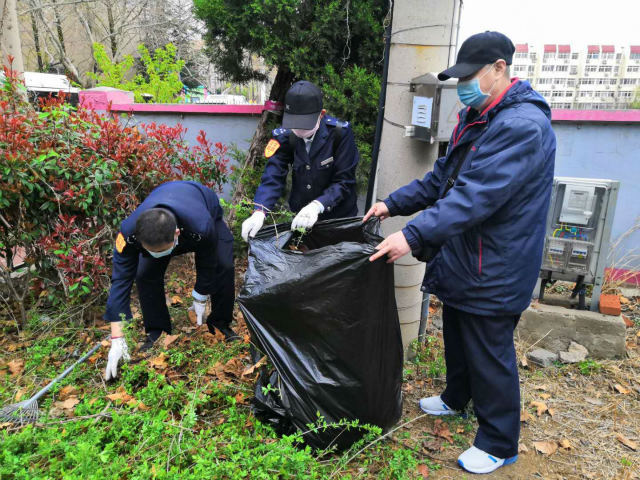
475 460
435 406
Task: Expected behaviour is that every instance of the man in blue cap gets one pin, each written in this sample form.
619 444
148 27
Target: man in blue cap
482 232
323 156
176 218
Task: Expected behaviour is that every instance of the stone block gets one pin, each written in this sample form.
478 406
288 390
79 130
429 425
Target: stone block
542 357
554 328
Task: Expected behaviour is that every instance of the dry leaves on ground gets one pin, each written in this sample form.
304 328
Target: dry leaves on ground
423 470
441 429
67 404
120 396
16 367
541 407
547 447
253 368
66 392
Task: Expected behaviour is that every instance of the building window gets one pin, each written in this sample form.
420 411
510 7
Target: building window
549 55
533 56
626 94
605 68
593 55
591 68
574 56
628 81
608 55
547 68
613 81
568 93
562 68
585 94
574 70
633 69
571 82
521 55
557 94
634 56
563 55
587 81
618 56
545 81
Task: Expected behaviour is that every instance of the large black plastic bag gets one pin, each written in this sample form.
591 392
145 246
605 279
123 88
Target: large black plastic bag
328 322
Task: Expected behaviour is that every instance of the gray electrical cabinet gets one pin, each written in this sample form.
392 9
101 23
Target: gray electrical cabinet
578 234
435 108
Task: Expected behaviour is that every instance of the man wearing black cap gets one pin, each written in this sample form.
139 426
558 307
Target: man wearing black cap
323 154
483 237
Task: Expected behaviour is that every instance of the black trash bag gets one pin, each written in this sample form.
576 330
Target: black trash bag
326 318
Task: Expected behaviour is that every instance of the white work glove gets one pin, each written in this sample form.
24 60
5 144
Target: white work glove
308 216
252 225
199 304
119 351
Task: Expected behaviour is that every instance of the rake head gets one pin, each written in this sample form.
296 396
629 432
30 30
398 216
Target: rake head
20 413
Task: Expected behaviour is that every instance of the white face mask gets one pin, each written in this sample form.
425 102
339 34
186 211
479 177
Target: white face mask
307 133
166 252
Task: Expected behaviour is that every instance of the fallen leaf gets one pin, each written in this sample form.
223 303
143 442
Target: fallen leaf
169 339
68 404
432 445
20 394
525 416
66 392
121 396
627 321
546 448
566 444
540 406
193 318
460 430
93 400
552 412
160 361
541 387
176 300
423 470
142 407
621 389
234 367
522 448
545 396
246 338
252 368
523 362
240 398
626 442
105 343
16 367
624 300
441 429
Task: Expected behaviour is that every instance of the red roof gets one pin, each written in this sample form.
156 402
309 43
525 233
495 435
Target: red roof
522 48
635 48
593 49
564 48
549 48
608 49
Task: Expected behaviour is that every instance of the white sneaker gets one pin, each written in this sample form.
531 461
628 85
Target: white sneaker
475 460
435 406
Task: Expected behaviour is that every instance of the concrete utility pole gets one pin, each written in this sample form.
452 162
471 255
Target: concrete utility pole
423 38
10 40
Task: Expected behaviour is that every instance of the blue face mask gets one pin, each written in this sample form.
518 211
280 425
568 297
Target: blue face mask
164 253
470 92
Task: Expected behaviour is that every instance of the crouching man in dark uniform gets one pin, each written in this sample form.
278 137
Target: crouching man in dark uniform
176 218
322 154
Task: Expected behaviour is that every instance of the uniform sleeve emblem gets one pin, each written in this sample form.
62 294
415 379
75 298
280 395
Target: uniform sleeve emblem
271 148
120 243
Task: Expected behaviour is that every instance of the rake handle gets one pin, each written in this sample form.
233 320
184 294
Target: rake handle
66 372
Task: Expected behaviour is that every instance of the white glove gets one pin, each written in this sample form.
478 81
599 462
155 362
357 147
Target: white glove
198 307
308 216
252 224
119 350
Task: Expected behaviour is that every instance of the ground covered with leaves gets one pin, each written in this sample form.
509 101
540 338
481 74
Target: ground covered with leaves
182 410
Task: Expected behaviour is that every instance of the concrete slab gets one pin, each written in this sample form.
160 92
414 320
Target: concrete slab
554 328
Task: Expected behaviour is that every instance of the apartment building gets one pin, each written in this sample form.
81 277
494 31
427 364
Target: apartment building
600 77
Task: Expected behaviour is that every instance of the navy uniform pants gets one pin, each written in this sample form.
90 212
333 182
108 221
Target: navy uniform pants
214 264
481 366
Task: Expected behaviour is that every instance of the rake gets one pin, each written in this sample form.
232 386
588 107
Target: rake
26 411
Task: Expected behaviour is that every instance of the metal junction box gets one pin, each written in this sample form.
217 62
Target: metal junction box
578 233
435 108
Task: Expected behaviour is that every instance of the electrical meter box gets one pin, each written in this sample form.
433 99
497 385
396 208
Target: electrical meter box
435 108
578 233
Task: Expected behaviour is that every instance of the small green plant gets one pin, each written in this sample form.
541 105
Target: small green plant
589 367
429 357
625 462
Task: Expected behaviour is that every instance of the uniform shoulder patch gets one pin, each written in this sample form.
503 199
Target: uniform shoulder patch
279 131
271 148
120 242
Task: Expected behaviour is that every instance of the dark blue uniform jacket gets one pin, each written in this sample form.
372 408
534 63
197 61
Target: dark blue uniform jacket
324 174
490 226
199 217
